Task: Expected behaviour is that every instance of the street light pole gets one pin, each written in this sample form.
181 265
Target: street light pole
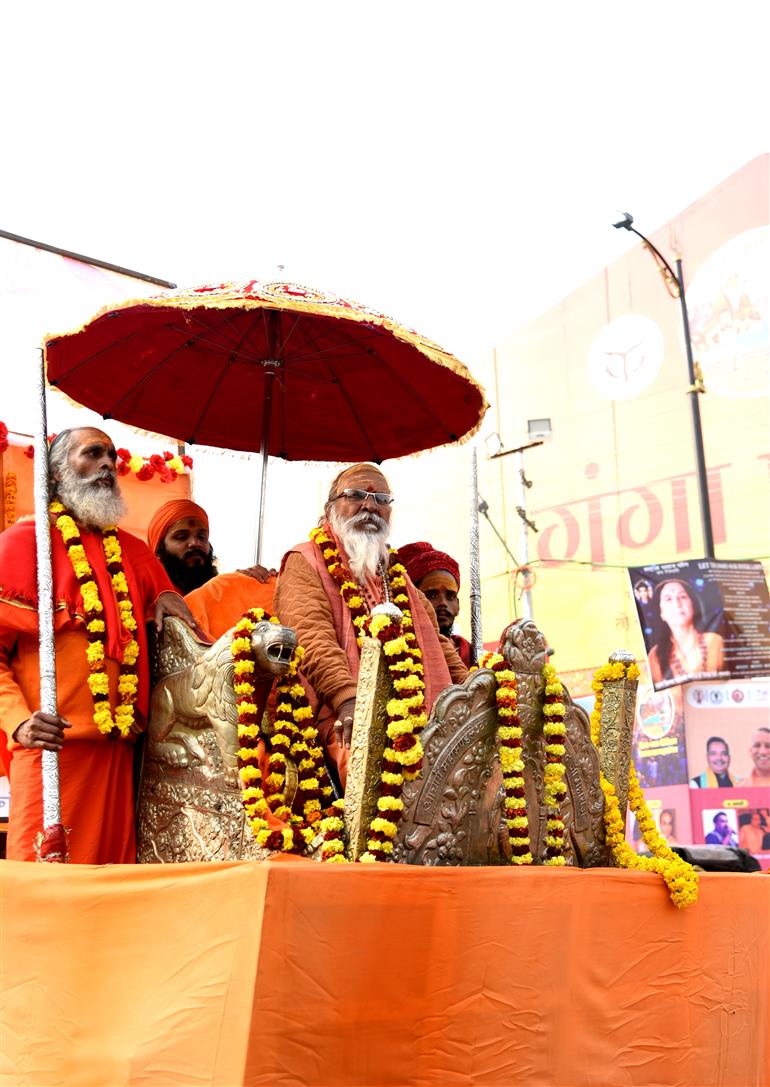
674 281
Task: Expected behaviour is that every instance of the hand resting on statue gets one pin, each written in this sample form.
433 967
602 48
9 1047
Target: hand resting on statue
169 603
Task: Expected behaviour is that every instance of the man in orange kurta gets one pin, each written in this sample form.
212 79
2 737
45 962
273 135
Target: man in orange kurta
178 533
221 602
357 516
96 773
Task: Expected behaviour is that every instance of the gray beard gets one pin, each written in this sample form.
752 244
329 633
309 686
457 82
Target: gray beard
90 504
366 548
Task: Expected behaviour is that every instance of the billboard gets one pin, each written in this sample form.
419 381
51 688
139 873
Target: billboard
703 619
616 485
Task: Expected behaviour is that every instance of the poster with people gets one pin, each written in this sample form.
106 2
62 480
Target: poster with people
670 808
659 749
703 619
737 817
702 755
727 730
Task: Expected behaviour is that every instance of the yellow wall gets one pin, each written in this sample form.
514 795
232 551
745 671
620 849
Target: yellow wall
621 472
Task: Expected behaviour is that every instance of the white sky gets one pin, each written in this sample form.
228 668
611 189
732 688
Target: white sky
456 165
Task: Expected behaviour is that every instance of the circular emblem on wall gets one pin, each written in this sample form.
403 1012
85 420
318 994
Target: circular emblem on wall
727 302
655 712
625 357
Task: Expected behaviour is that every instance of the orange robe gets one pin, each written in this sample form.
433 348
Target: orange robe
308 599
96 774
220 603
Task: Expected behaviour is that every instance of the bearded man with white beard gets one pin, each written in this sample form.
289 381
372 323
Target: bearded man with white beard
357 521
106 585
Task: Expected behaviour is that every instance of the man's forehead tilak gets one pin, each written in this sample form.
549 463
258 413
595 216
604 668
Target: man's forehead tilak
364 477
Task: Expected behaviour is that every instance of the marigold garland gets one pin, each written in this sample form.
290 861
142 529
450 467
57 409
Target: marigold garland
681 878
405 711
509 742
294 737
9 498
121 721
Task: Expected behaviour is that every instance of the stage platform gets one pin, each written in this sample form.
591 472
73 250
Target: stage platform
295 973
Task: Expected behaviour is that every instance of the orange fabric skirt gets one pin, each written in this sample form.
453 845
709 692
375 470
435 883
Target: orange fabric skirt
293 972
97 801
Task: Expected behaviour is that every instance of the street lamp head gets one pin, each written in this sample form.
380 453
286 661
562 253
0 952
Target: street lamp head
625 220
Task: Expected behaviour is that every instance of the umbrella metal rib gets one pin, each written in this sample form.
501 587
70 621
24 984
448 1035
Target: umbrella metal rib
143 380
430 414
218 381
73 369
344 393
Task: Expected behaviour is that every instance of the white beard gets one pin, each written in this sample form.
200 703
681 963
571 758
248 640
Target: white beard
364 538
90 503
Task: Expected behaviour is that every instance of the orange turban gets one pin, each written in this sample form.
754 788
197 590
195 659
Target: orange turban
179 509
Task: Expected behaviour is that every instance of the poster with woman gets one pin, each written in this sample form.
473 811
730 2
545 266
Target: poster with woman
703 620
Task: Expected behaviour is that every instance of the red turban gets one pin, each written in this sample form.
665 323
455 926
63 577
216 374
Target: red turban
178 509
421 558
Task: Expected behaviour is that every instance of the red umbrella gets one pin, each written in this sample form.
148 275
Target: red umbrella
276 368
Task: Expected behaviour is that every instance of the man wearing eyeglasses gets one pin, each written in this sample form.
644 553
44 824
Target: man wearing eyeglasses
357 516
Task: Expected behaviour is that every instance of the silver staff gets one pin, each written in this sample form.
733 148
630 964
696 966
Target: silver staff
476 639
49 759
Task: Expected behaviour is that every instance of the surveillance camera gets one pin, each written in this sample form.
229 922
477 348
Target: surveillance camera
625 220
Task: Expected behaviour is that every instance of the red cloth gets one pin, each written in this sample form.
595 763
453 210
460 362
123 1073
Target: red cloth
464 650
96 774
422 558
177 510
18 589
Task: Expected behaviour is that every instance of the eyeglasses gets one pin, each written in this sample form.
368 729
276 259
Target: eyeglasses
380 497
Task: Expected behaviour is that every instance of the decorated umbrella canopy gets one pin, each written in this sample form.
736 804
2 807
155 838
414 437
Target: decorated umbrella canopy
270 367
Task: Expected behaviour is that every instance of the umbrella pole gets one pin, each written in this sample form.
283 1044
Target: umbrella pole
475 594
51 843
270 371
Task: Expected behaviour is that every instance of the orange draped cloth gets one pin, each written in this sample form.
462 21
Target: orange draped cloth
220 603
308 599
292 972
96 773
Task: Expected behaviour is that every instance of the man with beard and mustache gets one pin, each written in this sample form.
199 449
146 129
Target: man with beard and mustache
178 533
96 770
437 575
357 517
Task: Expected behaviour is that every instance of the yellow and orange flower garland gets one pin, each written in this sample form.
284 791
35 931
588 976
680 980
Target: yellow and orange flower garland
119 723
405 712
509 740
9 499
294 737
681 878
166 466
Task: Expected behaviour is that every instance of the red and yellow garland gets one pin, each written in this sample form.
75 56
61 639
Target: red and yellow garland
121 722
167 466
681 878
9 499
294 737
509 741
405 711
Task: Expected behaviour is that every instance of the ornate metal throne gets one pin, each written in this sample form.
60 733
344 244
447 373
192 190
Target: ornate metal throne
190 803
